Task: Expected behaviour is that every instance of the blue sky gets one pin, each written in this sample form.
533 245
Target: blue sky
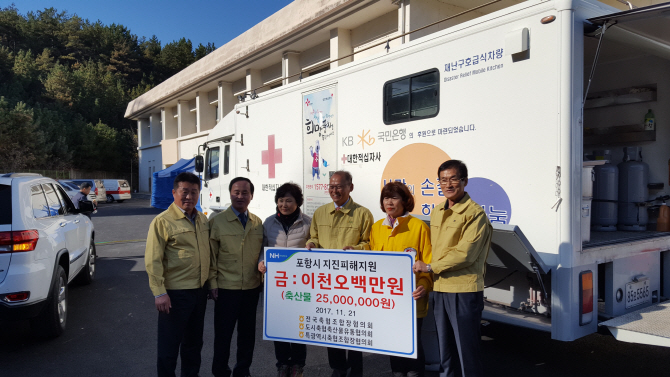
201 21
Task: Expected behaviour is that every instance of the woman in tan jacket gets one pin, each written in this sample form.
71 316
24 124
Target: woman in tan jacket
289 227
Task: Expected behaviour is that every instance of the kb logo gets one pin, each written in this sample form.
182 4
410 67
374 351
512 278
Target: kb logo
348 141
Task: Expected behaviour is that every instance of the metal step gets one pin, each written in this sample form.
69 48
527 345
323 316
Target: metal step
650 325
502 314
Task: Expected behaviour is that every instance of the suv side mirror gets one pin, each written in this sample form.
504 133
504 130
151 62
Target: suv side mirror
199 164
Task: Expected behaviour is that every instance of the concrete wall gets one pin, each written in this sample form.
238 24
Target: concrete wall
155 128
150 162
189 148
186 119
295 16
240 86
375 31
290 66
254 81
424 12
314 55
340 47
205 113
169 123
143 132
271 73
169 152
226 99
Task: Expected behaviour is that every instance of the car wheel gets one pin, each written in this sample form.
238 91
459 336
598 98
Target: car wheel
110 199
120 201
87 274
51 322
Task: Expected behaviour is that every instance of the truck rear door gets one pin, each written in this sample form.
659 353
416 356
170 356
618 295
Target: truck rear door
646 29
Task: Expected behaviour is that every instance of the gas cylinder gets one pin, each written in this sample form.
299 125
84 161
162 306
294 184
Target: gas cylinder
605 195
633 191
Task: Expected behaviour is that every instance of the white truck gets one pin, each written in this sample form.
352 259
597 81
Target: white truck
507 94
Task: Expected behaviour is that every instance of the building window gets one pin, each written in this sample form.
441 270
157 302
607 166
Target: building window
212 163
412 97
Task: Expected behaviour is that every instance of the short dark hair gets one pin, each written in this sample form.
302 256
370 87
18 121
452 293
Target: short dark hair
345 175
186 177
454 164
237 179
403 192
292 189
85 185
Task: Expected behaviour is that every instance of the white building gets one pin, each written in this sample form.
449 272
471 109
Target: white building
304 38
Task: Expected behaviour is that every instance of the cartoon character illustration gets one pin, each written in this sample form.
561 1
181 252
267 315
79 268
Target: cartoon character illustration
315 160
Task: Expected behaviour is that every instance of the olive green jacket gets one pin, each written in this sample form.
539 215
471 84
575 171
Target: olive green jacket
350 226
461 239
235 251
177 253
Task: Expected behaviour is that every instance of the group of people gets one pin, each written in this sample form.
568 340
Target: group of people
189 259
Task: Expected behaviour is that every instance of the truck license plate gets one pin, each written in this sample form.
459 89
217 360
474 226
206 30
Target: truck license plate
637 293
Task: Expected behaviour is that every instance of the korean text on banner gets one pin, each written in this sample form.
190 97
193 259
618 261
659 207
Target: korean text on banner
352 300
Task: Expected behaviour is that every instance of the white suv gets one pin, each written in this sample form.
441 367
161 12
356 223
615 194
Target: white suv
44 244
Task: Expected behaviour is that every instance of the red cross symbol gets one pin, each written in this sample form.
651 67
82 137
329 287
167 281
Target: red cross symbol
210 195
271 156
307 102
344 158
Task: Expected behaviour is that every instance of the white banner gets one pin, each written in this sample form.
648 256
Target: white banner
319 113
359 300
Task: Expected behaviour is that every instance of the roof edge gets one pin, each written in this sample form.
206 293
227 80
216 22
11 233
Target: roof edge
259 37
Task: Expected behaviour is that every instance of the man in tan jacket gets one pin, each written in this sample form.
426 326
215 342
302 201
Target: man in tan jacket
236 240
461 238
342 224
177 262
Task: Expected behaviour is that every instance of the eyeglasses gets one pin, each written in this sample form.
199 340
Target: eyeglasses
452 180
336 187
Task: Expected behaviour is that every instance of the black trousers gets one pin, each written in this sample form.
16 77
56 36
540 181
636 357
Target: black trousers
339 362
416 367
458 319
181 330
234 307
290 353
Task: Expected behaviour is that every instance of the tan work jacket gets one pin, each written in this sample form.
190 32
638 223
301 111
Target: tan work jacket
350 226
177 252
461 239
235 251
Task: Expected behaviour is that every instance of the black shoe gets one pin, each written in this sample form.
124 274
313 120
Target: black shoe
283 371
339 373
296 371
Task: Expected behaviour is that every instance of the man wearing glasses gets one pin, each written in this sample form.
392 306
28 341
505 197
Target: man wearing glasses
461 238
346 225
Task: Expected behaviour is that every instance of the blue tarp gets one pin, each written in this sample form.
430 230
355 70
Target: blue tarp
163 181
